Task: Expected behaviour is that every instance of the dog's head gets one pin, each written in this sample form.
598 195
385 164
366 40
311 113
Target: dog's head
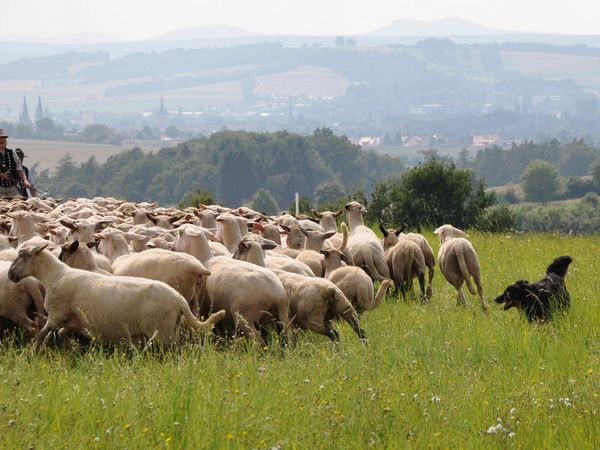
514 295
559 266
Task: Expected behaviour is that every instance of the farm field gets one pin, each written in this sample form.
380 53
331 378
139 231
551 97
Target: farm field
47 153
584 70
432 375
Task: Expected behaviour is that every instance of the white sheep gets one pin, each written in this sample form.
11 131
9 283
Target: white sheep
314 302
356 285
405 261
113 309
21 302
181 271
458 262
363 244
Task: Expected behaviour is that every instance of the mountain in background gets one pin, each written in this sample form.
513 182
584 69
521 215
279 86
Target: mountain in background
205 32
445 27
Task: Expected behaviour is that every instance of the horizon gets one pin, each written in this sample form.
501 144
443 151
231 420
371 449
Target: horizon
268 17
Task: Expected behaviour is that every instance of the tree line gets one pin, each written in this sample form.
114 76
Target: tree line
232 165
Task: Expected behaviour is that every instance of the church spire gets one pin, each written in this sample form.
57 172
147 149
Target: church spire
24 116
39 111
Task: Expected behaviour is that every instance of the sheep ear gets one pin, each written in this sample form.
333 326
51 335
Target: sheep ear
316 213
383 230
73 246
70 225
325 253
397 232
151 218
439 230
304 232
339 213
93 244
13 241
268 245
329 234
38 249
257 226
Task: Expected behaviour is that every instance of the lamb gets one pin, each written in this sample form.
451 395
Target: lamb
113 309
405 261
366 250
181 271
21 301
458 262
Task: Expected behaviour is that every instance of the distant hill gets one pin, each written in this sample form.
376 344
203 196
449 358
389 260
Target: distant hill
444 27
205 32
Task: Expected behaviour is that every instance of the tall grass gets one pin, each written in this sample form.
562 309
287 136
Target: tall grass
431 375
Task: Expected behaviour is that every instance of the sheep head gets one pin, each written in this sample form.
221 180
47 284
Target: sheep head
24 266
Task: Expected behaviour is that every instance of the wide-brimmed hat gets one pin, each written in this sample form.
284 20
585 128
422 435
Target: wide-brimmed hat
3 133
20 153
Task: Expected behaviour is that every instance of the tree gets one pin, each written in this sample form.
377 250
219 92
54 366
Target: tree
328 193
263 201
540 181
432 194
595 173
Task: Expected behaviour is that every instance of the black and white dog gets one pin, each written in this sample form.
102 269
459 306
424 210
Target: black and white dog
540 300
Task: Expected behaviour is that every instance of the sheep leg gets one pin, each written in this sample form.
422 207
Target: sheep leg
461 300
21 318
350 317
430 272
249 331
41 336
421 277
324 329
484 304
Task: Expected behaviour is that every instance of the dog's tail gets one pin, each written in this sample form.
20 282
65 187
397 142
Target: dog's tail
559 266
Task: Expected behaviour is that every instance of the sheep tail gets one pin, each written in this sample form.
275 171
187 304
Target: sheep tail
409 259
460 256
196 325
380 295
344 237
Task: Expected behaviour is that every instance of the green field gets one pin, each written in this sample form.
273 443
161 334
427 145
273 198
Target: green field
432 375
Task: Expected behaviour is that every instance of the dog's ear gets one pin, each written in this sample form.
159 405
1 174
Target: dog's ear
559 266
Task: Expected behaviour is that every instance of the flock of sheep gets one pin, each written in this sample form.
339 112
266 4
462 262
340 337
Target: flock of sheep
118 272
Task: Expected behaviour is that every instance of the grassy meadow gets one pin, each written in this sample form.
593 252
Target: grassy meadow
432 375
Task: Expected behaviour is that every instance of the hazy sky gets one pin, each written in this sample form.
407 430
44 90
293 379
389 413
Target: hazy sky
140 19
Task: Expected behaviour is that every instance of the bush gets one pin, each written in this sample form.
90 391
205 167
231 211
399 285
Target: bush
497 218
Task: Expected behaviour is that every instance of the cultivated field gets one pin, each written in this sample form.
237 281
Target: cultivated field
585 70
431 375
47 153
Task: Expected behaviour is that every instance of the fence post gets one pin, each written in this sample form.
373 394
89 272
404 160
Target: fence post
297 204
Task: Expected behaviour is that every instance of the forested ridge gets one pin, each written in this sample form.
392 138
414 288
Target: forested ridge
232 165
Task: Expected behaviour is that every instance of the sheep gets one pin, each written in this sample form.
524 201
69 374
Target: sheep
314 302
181 271
24 224
353 281
20 301
366 250
313 244
114 242
83 230
405 261
274 260
79 256
251 296
458 262
113 309
427 253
